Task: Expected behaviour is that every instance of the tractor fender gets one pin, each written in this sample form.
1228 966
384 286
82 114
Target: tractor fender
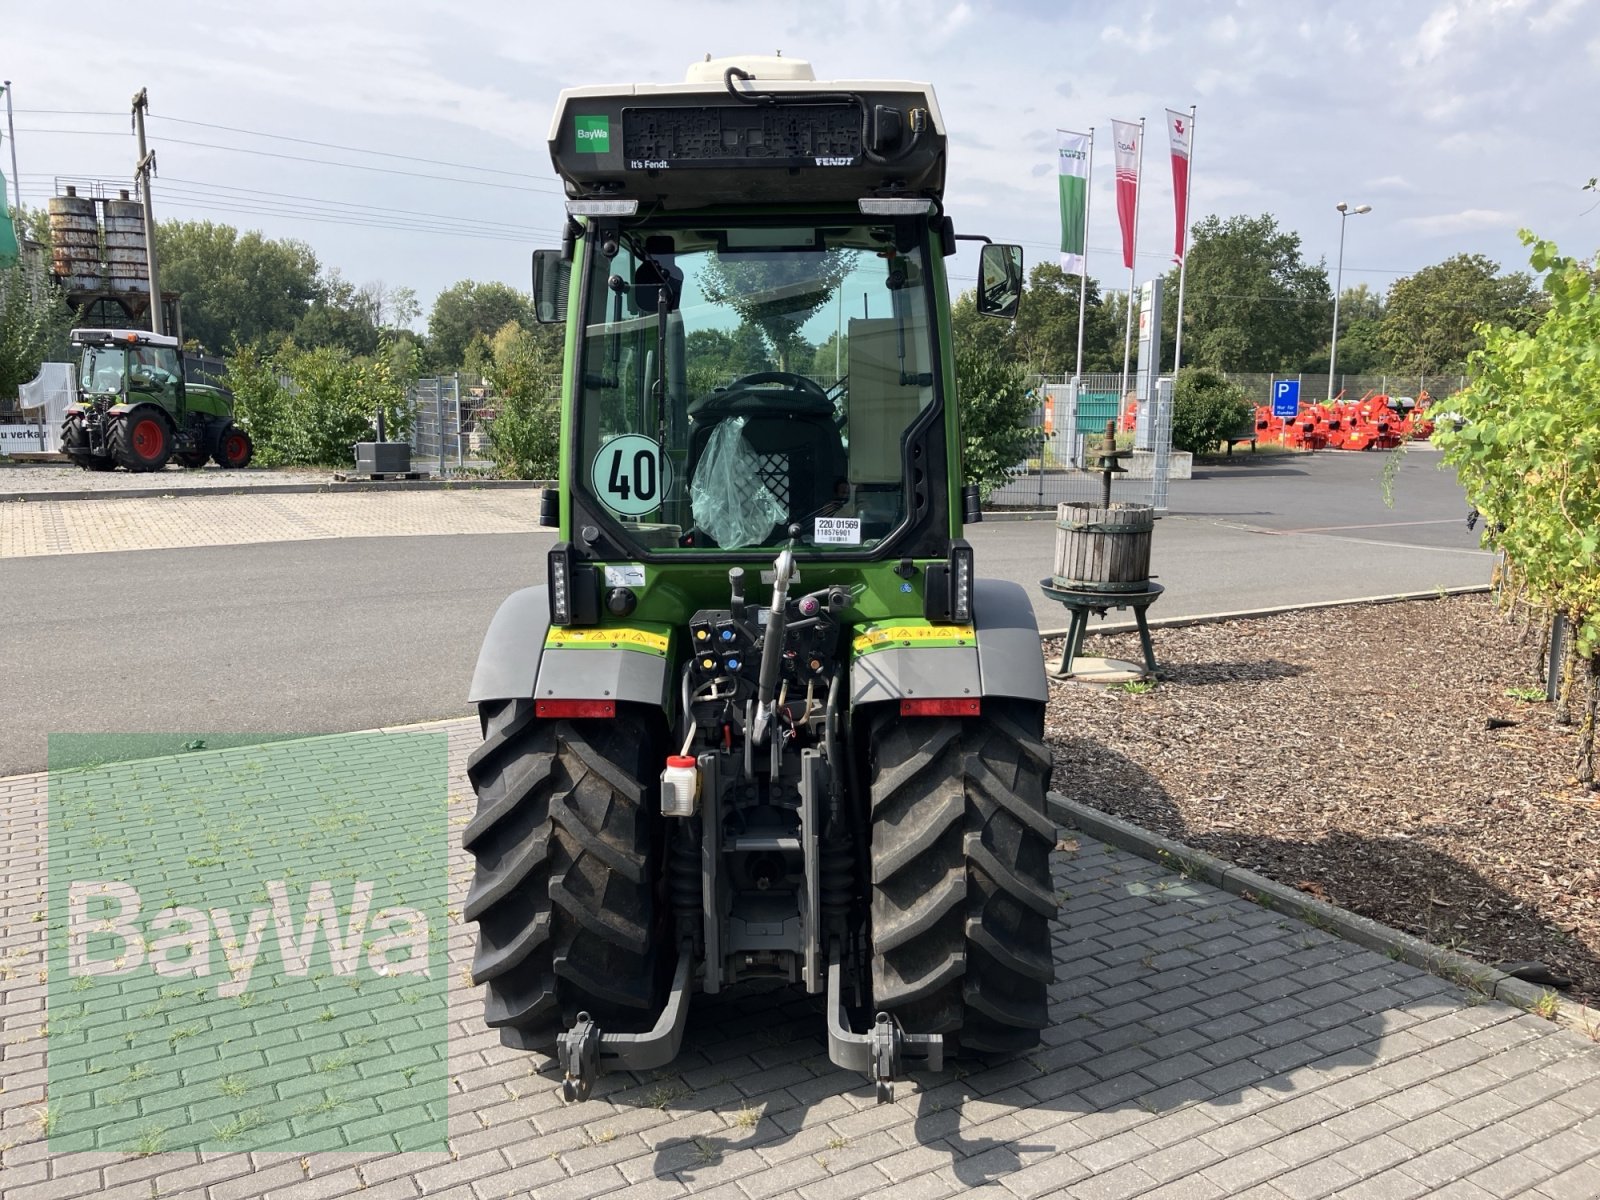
1005 659
515 662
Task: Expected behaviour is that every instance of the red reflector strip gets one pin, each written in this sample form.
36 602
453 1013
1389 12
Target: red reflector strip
940 708
575 708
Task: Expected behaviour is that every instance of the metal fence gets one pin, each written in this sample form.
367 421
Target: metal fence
1258 386
436 434
1070 422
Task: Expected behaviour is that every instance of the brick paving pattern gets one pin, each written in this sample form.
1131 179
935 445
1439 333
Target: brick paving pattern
30 528
1201 1046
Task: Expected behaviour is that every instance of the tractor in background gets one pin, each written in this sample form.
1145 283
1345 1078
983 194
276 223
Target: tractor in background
135 409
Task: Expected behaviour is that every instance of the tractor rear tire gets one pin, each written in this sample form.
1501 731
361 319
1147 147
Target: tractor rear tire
961 891
234 449
75 445
141 439
566 886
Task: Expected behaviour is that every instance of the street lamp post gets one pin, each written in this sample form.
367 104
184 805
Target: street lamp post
1345 212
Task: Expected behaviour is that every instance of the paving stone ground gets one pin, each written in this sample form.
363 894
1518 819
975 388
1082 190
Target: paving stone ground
44 478
161 522
1200 1046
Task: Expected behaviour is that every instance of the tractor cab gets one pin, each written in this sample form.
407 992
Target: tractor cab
135 409
113 363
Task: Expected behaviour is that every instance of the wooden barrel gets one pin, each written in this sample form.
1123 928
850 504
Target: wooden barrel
1103 549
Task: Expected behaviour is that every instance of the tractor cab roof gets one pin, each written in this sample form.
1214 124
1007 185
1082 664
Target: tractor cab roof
749 130
122 337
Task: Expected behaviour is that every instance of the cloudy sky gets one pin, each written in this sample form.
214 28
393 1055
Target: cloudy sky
1457 120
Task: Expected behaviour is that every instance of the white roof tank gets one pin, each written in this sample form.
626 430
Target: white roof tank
759 66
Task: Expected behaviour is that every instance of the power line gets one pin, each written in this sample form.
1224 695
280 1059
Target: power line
283 137
324 162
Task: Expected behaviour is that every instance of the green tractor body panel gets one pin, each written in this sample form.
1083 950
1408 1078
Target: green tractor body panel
135 408
746 707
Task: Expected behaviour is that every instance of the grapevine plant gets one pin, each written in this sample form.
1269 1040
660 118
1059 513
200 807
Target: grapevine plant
1524 438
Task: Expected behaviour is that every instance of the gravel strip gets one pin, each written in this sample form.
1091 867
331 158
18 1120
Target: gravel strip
1347 752
43 478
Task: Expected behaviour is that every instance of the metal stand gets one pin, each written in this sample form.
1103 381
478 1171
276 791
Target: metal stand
880 1055
1080 604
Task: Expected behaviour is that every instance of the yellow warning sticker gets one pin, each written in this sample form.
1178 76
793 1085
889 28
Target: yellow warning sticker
612 637
879 637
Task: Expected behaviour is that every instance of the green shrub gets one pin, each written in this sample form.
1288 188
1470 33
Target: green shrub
997 431
310 407
525 434
1206 408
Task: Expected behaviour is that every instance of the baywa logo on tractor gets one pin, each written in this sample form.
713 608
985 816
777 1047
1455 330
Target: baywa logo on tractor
136 410
764 722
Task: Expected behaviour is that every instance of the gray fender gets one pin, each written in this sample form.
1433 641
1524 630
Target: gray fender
1008 659
514 663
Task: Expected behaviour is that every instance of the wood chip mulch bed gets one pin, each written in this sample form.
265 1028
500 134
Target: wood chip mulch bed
1349 752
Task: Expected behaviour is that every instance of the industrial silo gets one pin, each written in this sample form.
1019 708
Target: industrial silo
75 236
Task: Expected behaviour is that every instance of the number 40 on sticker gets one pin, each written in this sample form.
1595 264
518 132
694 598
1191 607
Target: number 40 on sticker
630 475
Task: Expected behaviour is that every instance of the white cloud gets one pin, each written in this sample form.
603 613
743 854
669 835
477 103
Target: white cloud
1466 221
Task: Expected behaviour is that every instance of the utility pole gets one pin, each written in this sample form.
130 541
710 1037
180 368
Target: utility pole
146 168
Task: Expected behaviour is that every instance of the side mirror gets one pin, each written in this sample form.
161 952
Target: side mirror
552 277
999 281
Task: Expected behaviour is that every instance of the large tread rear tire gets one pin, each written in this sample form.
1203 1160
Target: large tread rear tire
961 892
75 445
141 438
565 886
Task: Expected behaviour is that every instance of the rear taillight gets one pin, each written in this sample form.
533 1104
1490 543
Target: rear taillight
575 708
944 707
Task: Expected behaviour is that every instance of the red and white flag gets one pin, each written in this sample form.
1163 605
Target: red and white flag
1180 130
1125 135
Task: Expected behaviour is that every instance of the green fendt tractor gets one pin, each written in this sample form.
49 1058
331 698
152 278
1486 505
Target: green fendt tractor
136 410
764 721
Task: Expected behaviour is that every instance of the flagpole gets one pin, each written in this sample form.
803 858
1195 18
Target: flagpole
1183 262
11 132
1133 257
1083 276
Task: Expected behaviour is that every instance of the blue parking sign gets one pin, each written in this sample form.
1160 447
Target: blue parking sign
1285 397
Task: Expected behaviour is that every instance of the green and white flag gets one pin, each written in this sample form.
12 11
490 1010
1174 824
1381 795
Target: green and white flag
1074 158
8 235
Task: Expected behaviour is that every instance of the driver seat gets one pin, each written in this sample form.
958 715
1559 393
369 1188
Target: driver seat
792 434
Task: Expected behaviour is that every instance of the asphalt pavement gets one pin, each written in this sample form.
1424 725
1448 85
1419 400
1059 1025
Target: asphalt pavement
336 634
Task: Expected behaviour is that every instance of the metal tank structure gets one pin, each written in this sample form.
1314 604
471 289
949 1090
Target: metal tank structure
127 261
75 237
100 257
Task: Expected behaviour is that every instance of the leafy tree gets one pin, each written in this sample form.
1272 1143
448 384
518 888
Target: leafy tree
33 323
1360 333
340 315
468 308
1250 302
525 434
713 357
1430 323
236 288
1205 409
1046 329
996 416
1526 446
778 293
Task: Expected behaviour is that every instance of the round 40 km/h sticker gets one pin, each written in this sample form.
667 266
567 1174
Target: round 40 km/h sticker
630 475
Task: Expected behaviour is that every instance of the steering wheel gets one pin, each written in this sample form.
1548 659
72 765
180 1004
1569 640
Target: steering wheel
795 383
